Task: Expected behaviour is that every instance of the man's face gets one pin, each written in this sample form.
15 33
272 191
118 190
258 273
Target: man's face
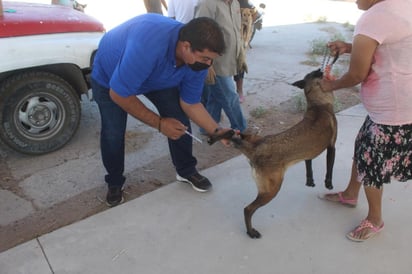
199 60
192 56
205 56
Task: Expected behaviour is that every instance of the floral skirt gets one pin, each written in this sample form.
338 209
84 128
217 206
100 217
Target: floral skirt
382 152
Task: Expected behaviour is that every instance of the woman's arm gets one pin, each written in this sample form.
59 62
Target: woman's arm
362 51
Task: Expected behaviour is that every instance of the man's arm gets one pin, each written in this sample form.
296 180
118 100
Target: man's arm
170 127
362 51
164 4
199 115
147 5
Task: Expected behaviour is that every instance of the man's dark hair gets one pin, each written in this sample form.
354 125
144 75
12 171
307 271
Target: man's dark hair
203 33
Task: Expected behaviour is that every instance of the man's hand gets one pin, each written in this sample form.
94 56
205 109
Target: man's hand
171 128
223 135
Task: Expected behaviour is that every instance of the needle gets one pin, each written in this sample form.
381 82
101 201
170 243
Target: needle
194 137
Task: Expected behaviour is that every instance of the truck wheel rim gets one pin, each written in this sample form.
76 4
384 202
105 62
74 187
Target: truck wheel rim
39 117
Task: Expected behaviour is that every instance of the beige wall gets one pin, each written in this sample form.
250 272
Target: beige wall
1 8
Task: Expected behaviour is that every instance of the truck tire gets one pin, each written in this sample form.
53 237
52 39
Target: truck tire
39 112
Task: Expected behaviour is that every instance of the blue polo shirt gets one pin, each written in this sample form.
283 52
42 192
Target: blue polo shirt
139 56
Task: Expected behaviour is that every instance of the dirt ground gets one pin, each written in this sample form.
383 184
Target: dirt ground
141 181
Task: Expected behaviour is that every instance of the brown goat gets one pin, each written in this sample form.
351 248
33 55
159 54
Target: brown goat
270 156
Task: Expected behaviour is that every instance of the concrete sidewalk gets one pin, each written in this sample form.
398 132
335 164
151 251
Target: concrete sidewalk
176 230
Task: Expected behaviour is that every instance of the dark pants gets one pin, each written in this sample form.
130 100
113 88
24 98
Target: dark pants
113 128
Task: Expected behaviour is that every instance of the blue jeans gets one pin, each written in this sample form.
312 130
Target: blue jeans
223 95
113 128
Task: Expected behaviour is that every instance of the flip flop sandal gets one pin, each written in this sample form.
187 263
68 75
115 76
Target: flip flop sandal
342 200
364 225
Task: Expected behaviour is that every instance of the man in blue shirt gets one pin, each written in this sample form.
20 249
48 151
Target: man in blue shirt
166 61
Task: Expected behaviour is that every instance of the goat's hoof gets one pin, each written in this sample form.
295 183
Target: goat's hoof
328 185
254 234
310 182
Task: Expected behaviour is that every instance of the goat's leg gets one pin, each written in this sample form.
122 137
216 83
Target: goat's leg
330 161
309 173
268 188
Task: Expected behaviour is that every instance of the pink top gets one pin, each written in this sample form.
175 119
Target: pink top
387 91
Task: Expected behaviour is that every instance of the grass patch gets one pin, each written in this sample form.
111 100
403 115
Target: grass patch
258 112
349 26
322 19
317 46
312 63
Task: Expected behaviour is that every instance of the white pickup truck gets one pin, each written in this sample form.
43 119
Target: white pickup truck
46 53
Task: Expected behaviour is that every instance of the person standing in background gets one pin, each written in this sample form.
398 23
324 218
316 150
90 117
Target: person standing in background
221 93
155 6
182 10
238 78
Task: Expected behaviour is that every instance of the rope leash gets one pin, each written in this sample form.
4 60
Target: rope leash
326 67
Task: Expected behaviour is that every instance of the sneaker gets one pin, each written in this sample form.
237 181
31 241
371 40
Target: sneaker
198 182
114 196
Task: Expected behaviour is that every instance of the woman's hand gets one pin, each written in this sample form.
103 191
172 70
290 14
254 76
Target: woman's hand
339 47
327 84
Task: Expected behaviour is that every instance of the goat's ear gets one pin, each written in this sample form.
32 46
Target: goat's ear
300 84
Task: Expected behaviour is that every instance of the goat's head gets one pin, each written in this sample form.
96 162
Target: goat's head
309 80
314 93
